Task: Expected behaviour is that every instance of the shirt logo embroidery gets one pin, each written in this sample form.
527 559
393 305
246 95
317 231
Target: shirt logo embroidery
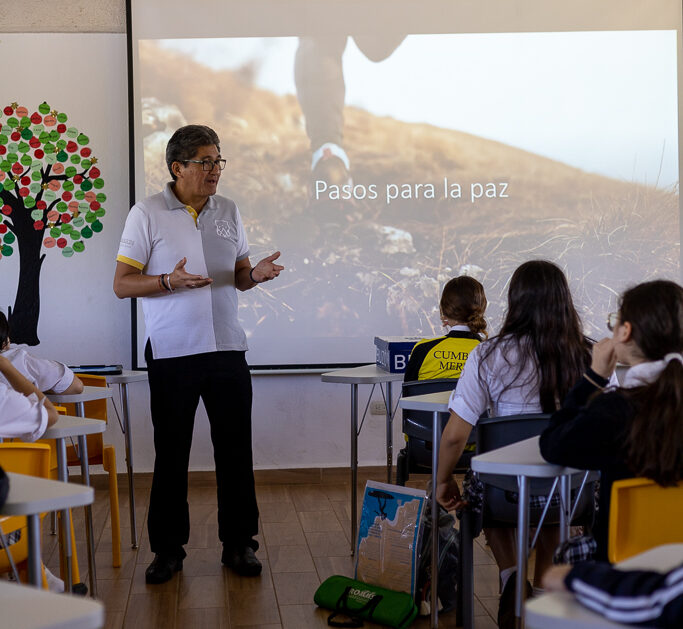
224 229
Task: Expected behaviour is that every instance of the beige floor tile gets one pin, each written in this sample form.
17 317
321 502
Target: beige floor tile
328 543
113 620
319 521
299 616
307 498
201 592
295 588
155 610
290 559
283 534
105 569
272 493
277 512
329 566
253 607
208 618
114 593
202 562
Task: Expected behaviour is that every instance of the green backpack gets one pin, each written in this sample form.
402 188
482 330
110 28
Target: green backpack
360 601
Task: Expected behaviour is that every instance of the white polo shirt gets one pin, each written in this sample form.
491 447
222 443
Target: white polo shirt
160 231
43 373
21 416
496 388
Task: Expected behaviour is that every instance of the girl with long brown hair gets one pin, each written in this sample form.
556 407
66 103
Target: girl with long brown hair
528 367
637 429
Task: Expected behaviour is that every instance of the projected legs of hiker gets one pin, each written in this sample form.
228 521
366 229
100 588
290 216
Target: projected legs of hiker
321 91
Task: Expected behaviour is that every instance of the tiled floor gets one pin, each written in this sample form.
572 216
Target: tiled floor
304 537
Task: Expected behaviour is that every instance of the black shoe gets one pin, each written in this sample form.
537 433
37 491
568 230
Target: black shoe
162 569
242 560
506 605
79 588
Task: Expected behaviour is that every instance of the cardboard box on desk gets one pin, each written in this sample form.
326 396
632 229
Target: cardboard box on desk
393 352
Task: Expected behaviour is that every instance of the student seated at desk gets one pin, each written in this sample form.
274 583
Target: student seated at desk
637 429
462 308
528 367
47 375
625 596
25 412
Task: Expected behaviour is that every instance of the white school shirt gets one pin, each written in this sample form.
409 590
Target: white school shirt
475 394
160 231
45 374
21 416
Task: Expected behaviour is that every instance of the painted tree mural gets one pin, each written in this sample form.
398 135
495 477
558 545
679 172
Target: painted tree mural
50 199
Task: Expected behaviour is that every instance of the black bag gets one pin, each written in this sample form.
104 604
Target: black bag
448 561
4 486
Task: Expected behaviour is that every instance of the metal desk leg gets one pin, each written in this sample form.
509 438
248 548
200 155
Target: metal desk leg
354 464
90 538
565 507
35 561
65 520
436 438
390 443
522 549
123 393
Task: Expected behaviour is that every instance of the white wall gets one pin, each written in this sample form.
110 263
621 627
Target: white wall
297 420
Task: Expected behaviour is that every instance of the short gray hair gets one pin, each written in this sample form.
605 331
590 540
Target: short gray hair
186 141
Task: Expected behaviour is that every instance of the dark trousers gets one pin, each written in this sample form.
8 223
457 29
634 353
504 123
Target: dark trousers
223 381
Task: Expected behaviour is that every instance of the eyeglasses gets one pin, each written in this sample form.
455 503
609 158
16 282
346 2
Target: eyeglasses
612 321
207 164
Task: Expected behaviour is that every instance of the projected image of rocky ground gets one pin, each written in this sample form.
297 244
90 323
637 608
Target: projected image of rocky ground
389 256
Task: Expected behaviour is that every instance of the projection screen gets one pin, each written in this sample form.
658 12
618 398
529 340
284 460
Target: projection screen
457 137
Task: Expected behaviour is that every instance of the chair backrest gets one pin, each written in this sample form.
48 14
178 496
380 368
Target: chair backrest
419 423
32 459
97 409
497 432
643 515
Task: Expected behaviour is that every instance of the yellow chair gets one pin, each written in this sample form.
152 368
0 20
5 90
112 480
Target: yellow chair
100 454
643 515
34 460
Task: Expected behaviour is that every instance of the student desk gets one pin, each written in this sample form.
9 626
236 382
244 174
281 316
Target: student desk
30 608
523 460
74 428
31 496
123 380
365 374
561 610
66 427
435 403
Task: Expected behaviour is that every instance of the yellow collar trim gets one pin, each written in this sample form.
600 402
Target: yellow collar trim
193 213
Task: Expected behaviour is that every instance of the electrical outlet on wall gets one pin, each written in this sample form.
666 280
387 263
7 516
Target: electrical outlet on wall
378 408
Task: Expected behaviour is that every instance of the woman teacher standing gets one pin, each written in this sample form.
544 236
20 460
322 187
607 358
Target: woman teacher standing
185 252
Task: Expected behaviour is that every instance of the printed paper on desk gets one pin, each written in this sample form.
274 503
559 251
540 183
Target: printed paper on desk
388 536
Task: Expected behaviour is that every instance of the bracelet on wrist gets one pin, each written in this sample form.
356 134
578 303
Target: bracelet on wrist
162 285
168 283
251 277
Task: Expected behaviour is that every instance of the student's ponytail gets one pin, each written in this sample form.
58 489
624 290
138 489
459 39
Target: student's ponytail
655 442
